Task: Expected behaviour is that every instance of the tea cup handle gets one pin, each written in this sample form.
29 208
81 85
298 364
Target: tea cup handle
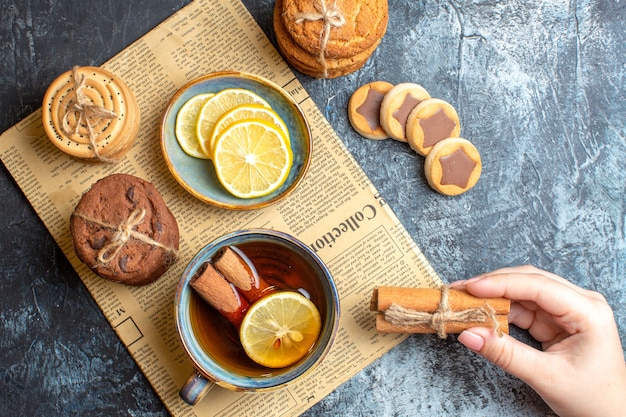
195 388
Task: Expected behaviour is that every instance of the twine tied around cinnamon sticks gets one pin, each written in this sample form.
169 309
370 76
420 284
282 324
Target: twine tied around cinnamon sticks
399 315
436 310
86 111
124 232
332 17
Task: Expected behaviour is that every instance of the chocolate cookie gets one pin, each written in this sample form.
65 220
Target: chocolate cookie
123 230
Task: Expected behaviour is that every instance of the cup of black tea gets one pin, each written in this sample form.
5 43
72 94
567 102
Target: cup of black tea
213 341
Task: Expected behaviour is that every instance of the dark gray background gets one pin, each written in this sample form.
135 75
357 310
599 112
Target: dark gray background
540 89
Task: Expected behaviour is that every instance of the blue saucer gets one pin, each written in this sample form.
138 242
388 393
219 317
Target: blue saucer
198 176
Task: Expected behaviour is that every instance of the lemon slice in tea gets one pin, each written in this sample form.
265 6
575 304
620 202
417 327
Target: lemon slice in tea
186 122
219 104
243 112
280 329
252 158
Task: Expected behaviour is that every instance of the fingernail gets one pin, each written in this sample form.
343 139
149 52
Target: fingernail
471 340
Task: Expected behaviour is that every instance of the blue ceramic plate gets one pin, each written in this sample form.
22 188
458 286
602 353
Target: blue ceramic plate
198 177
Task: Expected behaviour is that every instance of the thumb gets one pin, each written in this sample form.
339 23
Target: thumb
513 356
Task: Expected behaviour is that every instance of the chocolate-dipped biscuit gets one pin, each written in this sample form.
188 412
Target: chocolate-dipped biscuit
453 166
364 109
396 107
430 122
123 230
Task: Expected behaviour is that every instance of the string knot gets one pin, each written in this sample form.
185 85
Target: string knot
124 232
332 17
85 112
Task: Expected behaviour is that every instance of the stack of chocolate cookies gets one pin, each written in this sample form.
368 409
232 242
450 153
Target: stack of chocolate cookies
123 230
328 39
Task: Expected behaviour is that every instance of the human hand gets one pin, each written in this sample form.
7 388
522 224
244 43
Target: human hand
581 370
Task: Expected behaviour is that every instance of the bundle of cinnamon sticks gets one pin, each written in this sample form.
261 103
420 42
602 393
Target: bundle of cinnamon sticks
229 283
436 310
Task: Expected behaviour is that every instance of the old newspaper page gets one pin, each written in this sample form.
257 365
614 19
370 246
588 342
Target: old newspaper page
373 248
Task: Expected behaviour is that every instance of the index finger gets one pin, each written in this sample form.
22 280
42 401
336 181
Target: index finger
529 269
552 296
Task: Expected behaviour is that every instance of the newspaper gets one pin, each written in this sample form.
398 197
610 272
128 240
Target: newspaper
374 248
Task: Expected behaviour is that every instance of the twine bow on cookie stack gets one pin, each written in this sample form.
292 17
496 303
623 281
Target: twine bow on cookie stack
123 231
122 234
332 18
329 39
91 114
84 113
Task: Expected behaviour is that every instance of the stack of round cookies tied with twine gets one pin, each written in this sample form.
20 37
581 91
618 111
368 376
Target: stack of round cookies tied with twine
91 114
328 39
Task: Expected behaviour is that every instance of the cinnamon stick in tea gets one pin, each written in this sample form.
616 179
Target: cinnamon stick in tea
235 266
432 310
219 293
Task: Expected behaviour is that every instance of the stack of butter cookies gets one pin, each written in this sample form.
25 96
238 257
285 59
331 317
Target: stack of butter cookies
329 38
91 114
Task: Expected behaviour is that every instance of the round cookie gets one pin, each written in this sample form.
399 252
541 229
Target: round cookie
357 25
364 109
319 72
89 106
396 107
123 231
430 122
310 64
453 166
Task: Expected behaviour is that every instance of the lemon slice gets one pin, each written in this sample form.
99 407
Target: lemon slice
219 104
252 158
186 122
280 329
243 112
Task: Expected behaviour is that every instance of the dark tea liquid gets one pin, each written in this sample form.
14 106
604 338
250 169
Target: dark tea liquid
283 270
